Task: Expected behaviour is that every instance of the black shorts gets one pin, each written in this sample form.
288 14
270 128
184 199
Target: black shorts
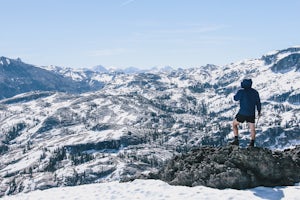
243 118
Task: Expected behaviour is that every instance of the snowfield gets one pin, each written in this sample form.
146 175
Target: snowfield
156 190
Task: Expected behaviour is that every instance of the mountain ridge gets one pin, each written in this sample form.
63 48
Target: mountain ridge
18 77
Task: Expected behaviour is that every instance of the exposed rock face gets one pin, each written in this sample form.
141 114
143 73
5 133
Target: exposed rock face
234 167
291 62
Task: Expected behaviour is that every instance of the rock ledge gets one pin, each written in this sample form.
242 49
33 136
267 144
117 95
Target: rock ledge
233 167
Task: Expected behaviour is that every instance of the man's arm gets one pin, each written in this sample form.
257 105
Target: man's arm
258 104
237 96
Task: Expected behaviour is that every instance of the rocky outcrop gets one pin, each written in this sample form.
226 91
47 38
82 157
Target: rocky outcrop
233 167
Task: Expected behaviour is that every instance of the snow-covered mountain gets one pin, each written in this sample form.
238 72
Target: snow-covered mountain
98 73
18 77
136 122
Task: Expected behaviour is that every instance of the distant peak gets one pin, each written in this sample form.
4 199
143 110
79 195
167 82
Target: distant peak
293 49
99 68
276 55
6 61
166 68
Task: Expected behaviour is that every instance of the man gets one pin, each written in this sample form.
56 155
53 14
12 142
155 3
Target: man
249 99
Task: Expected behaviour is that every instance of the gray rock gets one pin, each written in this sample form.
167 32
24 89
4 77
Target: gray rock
233 167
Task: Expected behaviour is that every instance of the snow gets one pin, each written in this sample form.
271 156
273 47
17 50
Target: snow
155 189
286 117
283 55
272 53
23 163
103 77
83 137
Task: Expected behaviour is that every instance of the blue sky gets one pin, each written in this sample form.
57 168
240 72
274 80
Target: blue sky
145 33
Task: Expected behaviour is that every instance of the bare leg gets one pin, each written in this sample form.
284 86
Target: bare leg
252 129
235 124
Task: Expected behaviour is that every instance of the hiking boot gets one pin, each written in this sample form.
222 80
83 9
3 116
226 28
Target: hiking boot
234 142
251 144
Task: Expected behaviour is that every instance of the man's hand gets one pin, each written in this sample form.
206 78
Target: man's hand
259 114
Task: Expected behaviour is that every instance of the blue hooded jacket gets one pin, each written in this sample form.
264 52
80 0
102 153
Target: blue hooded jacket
249 98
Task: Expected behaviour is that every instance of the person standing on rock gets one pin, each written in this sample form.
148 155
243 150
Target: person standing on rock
249 99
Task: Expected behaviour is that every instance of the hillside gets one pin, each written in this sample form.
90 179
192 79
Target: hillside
17 77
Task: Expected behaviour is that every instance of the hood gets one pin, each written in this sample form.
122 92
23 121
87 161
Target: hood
246 83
